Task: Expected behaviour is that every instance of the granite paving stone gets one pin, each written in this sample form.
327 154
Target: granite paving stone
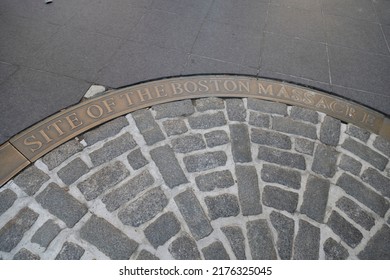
46 233
136 159
270 138
285 234
70 251
7 199
31 179
382 145
60 154
294 127
347 232
280 199
281 157
174 109
184 248
325 159
188 143
216 138
175 127
260 240
299 113
378 248
307 242
146 255
248 190
358 132
162 229
215 251
350 164
235 109
205 161
73 171
241 149
304 146
267 106
334 250
104 131
356 213
217 179
224 205
236 240
207 120
330 131
24 254
259 120
377 180
148 127
210 103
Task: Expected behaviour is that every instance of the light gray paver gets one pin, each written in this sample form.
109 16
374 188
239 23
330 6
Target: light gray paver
162 229
31 179
236 240
241 149
224 205
260 240
7 199
46 233
248 190
70 251
215 251
184 248
307 242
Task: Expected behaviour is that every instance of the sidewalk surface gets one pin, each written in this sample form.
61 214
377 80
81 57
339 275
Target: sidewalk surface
203 179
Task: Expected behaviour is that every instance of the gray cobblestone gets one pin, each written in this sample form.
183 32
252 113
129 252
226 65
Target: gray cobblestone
46 233
377 180
169 167
241 146
280 199
211 103
193 214
174 109
103 179
304 146
184 248
236 240
330 131
285 230
217 179
294 127
378 248
224 205
146 255
144 208
31 179
365 153
347 232
113 149
303 114
325 160
70 251
358 132
162 229
267 106
207 121
73 171
350 164
60 154
61 204
148 127
108 239
136 159
129 190
382 145
259 120
205 161
235 109
104 131
334 250
174 127
188 143
215 251
260 240
315 198
24 254
7 199
366 196
270 138
13 231
248 190
307 242
281 157
356 213
216 138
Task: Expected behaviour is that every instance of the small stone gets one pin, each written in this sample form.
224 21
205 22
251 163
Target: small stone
270 138
325 160
347 232
136 159
281 157
216 138
303 114
285 230
382 145
184 248
215 251
73 171
162 229
174 127
350 164
361 150
70 251
25 254
217 179
280 199
334 250
61 204
205 161
237 241
248 190
188 143
224 205
113 149
307 242
108 239
31 180
315 198
235 109
283 176
13 231
60 154
148 127
267 106
241 146
193 214
207 121
260 240
7 199
103 179
104 131
174 109
358 133
259 120
145 255
211 103
356 213
304 146
144 208
46 233
378 248
294 127
330 131
377 180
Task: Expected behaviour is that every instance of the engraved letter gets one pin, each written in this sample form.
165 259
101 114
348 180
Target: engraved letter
98 111
265 91
160 91
109 103
146 94
243 84
232 87
47 138
193 88
56 127
177 89
73 121
31 142
128 99
202 86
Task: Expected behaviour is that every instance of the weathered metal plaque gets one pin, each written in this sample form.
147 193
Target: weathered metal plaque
36 141
11 162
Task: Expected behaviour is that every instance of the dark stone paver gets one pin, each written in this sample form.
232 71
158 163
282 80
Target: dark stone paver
25 254
267 107
211 103
73 171
377 180
7 199
378 248
108 129
294 127
356 213
217 179
307 242
325 158
46 233
285 229
350 164
207 121
188 143
31 180
162 229
260 240
259 120
282 157
358 133
148 127
348 233
304 146
216 138
174 109
215 251
70 251
224 205
248 190
60 154
174 127
280 199
146 255
284 176
236 240
270 138
241 149
382 145
236 110
136 159
334 250
205 161
184 248
303 114
330 131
